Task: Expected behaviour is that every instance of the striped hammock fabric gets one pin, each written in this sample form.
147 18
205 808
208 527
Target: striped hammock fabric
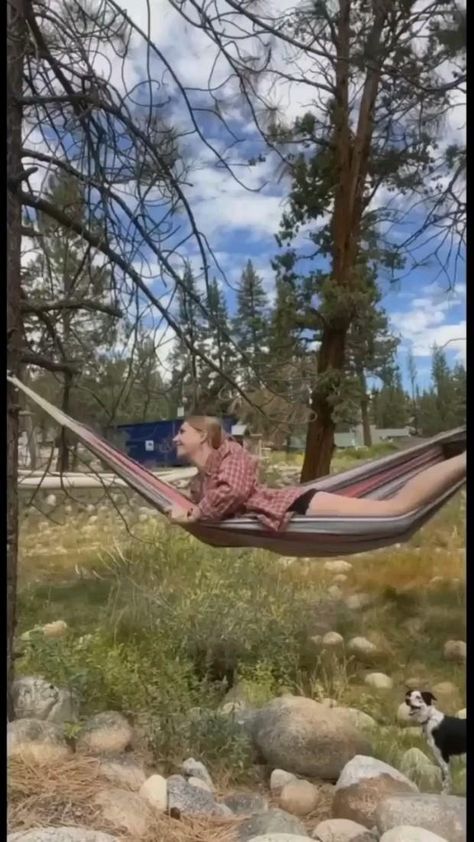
304 536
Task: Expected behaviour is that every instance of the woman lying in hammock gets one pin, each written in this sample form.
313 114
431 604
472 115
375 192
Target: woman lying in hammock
227 484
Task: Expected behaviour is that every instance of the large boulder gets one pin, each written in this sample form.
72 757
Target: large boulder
37 741
442 814
419 768
35 698
363 784
307 738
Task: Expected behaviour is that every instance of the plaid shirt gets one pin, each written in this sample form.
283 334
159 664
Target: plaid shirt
229 486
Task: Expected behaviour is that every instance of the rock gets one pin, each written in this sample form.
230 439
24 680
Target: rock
105 733
436 581
195 769
328 702
337 830
363 784
403 716
357 601
124 810
316 640
199 783
299 798
90 509
332 639
61 834
305 737
142 518
442 814
56 629
462 714
408 833
92 519
419 768
123 771
414 683
155 792
447 695
35 698
362 647
279 837
279 778
269 823
187 800
51 500
455 650
358 718
340 579
37 741
245 803
379 681
338 565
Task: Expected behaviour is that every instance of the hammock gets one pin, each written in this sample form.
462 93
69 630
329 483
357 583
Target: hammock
304 536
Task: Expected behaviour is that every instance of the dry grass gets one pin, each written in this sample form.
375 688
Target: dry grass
63 795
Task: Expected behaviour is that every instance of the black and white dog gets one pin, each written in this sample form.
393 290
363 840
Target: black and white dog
446 735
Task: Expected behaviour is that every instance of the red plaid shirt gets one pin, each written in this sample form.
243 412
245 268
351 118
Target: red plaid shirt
229 486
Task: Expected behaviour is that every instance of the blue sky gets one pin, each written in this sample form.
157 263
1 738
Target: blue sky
240 222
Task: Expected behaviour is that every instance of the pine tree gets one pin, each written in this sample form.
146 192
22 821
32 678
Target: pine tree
68 299
250 326
390 404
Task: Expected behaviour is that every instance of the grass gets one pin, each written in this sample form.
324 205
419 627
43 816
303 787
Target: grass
157 622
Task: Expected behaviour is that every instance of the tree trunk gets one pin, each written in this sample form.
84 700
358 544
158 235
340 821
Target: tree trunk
364 410
15 53
321 428
62 464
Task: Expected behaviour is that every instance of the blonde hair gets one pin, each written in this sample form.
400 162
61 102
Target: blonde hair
210 426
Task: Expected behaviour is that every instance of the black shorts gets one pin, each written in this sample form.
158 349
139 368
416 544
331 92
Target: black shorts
300 505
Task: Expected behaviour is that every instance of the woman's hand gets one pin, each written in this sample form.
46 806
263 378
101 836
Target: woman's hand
179 515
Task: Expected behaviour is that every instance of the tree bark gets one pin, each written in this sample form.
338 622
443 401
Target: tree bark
364 410
321 427
15 53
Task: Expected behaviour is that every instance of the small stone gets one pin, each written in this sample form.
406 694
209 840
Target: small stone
105 733
379 681
155 792
338 565
61 834
93 519
436 581
462 714
332 639
51 500
362 647
409 833
195 769
124 810
245 803
279 778
316 640
455 650
270 823
187 800
37 741
338 830
142 518
68 510
335 592
56 629
357 601
90 509
340 579
199 783
403 715
299 798
414 683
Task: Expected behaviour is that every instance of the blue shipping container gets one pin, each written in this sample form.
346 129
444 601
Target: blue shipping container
151 443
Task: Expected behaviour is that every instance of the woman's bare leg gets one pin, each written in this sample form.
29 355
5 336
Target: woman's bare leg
416 493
